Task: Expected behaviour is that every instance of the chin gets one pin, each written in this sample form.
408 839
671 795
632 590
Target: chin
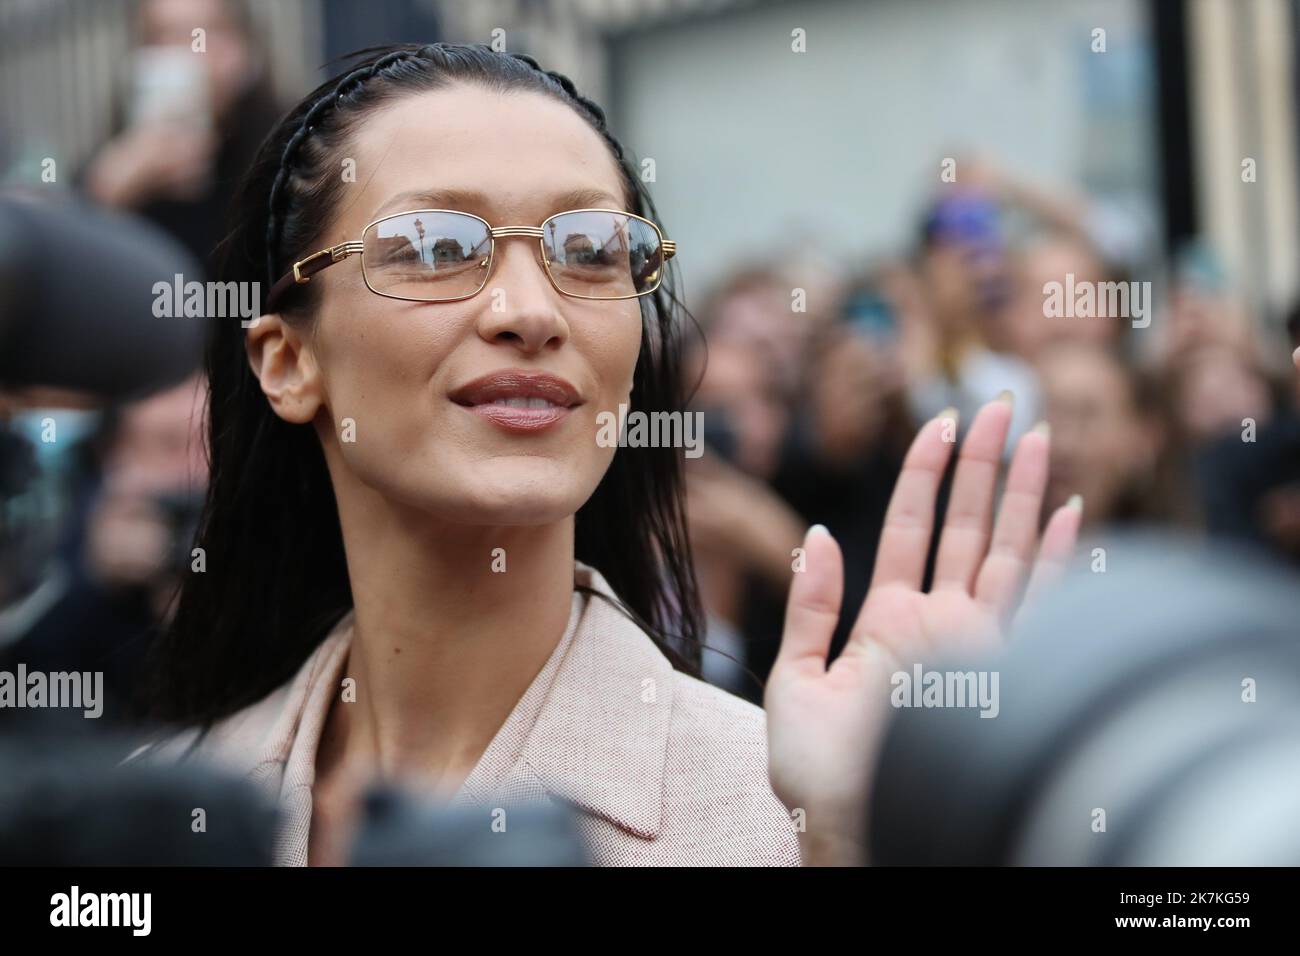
523 491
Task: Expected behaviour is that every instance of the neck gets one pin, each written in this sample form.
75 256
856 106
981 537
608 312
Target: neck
443 645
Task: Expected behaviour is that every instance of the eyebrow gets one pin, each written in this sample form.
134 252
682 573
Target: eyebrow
470 199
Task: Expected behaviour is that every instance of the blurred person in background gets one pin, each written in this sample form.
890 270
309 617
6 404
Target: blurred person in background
844 451
190 121
1216 390
755 307
1249 478
741 532
742 529
1203 309
963 269
131 549
50 445
1113 441
749 372
1048 258
915 338
1057 230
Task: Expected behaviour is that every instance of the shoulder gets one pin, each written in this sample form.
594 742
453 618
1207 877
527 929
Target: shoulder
238 741
717 791
260 733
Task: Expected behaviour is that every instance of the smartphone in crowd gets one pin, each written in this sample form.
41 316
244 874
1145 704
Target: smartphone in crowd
169 84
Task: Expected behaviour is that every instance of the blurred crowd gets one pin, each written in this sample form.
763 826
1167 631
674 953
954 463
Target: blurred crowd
113 511
812 379
1187 417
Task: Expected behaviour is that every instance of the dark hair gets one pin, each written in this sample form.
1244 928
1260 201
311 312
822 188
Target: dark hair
276 579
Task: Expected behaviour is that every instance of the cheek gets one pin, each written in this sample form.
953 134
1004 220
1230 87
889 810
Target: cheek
611 348
377 365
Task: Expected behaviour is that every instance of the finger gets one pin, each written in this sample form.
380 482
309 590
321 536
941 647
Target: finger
969 516
1058 545
813 608
905 539
1015 532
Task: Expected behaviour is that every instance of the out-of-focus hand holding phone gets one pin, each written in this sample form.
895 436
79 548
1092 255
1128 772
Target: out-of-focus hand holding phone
168 148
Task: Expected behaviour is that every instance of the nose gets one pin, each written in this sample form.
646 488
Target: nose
519 305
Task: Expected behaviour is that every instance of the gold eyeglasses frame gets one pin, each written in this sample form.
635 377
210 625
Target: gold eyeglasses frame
303 269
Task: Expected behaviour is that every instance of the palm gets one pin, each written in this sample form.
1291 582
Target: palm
902 619
825 724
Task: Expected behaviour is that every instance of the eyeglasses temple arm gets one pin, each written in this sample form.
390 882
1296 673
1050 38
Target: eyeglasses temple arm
304 269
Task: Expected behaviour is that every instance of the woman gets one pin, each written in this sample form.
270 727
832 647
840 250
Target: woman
1114 439
179 169
406 453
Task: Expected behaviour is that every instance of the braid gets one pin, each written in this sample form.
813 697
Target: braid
331 99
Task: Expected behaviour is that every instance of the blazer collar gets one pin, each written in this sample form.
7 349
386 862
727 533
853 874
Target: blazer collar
601 740
591 730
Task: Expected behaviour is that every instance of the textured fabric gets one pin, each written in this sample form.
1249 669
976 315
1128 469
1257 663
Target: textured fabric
662 768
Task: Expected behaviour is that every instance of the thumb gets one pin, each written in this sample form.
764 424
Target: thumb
813 608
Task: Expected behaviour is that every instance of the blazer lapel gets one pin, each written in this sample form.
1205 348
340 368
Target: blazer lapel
591 730
287 764
600 741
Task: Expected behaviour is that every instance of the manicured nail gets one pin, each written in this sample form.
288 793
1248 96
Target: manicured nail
1075 502
1043 429
816 529
1006 395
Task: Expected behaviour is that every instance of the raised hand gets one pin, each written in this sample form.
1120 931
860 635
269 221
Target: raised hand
825 724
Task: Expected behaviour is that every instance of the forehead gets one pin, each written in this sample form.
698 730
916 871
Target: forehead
512 158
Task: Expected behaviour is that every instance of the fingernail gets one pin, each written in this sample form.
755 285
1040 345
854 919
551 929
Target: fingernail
1006 395
816 529
1075 502
1044 429
949 412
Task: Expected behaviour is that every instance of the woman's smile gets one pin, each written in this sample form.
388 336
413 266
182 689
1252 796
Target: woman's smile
519 400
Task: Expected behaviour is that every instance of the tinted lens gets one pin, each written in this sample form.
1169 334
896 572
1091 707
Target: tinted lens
427 255
602 255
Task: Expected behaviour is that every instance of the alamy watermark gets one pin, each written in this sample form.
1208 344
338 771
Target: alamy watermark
133 911
922 688
651 430
1098 300
76 689
213 300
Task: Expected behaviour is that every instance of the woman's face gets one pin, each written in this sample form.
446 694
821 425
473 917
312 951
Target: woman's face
1100 442
227 53
1218 392
392 367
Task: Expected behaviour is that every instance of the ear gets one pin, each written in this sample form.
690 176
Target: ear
285 365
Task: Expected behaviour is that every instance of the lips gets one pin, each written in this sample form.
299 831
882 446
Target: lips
518 400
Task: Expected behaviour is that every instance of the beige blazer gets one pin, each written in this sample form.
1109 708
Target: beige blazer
661 768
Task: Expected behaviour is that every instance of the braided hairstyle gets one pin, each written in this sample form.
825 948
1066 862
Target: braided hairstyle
276 577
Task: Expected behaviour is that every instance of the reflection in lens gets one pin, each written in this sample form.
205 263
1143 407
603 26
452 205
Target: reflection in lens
427 255
602 255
